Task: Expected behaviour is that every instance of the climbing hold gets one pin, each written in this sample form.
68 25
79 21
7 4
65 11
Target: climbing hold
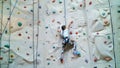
84 34
7 46
76 33
103 13
53 47
28 37
53 1
11 56
48 63
73 8
51 56
53 12
6 31
30 47
86 60
70 32
110 65
60 2
19 34
31 10
108 37
18 12
53 59
53 20
46 27
25 7
38 55
105 42
10 61
95 59
118 11
19 24
90 2
95 67
106 23
27 54
8 8
18 49
80 5
8 18
1 58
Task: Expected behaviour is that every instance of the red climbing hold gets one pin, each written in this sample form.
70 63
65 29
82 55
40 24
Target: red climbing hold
76 33
70 32
80 5
95 59
28 37
19 34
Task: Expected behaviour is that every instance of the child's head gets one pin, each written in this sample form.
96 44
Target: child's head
63 27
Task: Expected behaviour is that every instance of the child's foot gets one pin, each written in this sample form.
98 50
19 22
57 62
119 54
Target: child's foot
61 60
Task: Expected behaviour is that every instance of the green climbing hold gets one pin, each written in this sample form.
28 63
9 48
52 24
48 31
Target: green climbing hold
84 34
6 32
10 61
60 1
19 24
53 12
46 27
108 37
118 11
8 8
7 46
48 63
73 8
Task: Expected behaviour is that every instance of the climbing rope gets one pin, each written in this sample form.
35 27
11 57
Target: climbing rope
1 29
38 34
9 60
34 65
112 31
10 14
65 12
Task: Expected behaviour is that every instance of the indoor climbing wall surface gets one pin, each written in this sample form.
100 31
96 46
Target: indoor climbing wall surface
30 38
115 9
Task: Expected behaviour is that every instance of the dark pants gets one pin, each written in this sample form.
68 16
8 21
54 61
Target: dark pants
65 40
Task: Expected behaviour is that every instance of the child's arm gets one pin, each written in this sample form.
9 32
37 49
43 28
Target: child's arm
70 24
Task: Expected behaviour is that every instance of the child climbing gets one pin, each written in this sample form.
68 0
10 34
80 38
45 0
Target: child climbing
65 33
66 39
68 44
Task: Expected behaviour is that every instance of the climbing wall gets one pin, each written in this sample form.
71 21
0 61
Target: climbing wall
29 36
115 9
